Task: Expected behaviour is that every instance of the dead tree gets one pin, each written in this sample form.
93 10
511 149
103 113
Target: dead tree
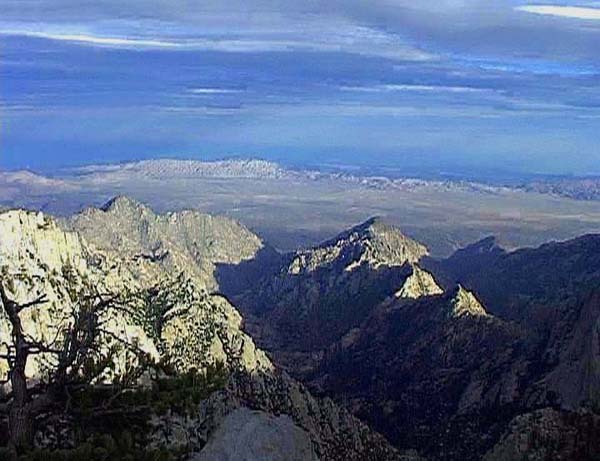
17 355
76 344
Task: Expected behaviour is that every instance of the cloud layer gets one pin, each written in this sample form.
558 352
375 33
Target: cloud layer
339 37
468 81
573 12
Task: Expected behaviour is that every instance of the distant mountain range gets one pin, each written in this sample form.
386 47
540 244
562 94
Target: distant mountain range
295 208
254 169
575 188
169 168
584 188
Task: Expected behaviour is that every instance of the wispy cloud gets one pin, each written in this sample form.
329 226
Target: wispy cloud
432 111
315 75
416 88
94 40
214 91
574 12
347 38
202 110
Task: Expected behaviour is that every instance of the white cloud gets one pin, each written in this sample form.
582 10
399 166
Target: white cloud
345 39
213 91
94 40
416 88
575 12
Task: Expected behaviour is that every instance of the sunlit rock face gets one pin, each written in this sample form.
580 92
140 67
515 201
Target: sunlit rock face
419 283
464 303
372 243
115 250
39 257
187 241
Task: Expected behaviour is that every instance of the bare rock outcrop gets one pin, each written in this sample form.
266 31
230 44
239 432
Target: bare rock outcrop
419 283
187 241
549 434
247 435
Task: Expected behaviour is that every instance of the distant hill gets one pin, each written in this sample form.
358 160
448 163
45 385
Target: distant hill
256 169
171 168
575 188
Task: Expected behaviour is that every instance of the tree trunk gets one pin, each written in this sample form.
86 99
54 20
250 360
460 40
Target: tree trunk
20 426
20 419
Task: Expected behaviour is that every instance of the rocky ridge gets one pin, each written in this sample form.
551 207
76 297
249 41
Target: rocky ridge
516 379
122 254
37 256
551 291
420 370
449 358
321 293
419 283
465 303
186 241
371 243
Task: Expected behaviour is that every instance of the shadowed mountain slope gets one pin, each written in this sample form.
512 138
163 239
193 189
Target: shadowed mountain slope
451 372
321 293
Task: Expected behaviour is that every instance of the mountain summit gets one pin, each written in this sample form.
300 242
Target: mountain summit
187 241
321 293
373 242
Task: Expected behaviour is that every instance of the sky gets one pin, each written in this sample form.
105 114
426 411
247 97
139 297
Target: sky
457 87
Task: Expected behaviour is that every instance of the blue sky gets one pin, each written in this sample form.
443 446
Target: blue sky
462 87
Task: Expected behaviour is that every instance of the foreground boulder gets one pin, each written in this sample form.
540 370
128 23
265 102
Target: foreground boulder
246 435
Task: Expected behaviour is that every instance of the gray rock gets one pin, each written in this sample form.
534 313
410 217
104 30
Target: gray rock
247 435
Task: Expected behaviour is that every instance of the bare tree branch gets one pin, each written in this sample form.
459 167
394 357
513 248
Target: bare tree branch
77 340
38 348
6 302
42 299
127 344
